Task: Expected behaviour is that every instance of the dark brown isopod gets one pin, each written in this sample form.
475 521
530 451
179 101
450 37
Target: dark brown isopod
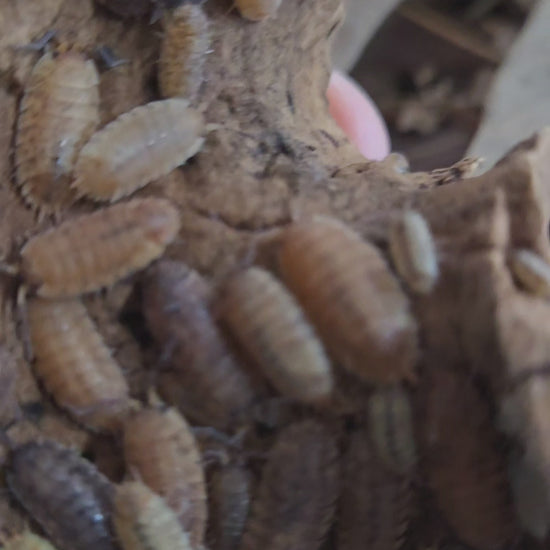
59 112
96 250
463 463
64 493
353 299
296 500
229 501
161 449
207 383
127 8
375 507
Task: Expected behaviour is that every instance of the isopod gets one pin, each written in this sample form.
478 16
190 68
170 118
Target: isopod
375 506
127 8
96 250
183 53
532 271
269 324
207 383
161 449
296 499
413 251
352 298
74 363
27 541
391 426
139 146
59 113
464 466
143 521
256 10
229 500
64 493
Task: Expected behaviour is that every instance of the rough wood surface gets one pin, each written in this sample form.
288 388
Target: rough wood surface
274 155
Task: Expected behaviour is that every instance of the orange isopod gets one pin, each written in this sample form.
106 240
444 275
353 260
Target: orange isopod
464 465
183 54
59 113
206 382
352 297
75 365
269 324
139 146
161 449
296 499
256 10
143 521
96 250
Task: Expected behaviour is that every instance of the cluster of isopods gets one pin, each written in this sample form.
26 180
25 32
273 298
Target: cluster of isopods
302 378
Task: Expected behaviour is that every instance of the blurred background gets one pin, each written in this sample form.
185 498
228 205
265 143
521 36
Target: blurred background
451 77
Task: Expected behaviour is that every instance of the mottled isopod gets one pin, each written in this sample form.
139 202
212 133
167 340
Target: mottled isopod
532 271
74 363
256 10
464 465
183 53
96 250
391 428
352 298
296 500
27 541
229 501
143 521
269 324
161 449
64 493
375 506
206 383
59 112
139 146
413 252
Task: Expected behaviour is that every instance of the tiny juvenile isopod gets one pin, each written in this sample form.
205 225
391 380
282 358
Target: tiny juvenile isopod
161 449
143 521
59 112
139 146
206 383
64 493
463 462
27 541
413 252
268 323
391 428
532 271
296 500
229 495
183 53
352 298
256 10
375 505
96 250
74 363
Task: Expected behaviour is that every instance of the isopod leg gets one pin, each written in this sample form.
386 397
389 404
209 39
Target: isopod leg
40 44
108 58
